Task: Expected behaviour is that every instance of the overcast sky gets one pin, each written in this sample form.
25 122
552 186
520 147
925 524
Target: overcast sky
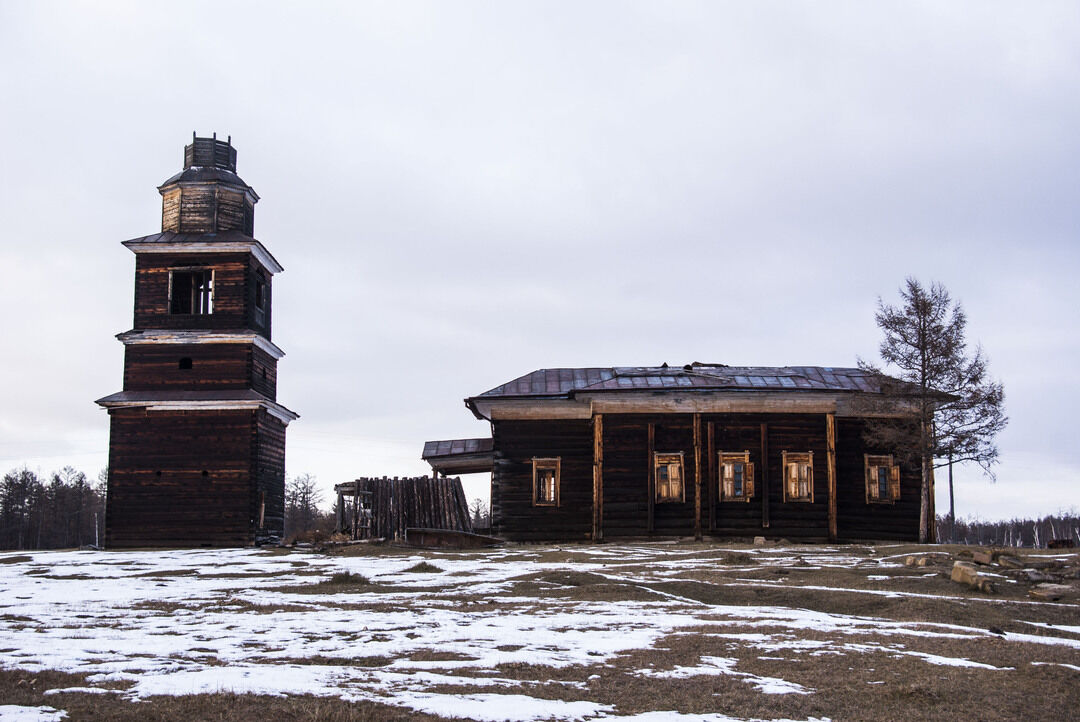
462 192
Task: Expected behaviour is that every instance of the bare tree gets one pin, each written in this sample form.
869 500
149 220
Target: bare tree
302 499
956 409
481 515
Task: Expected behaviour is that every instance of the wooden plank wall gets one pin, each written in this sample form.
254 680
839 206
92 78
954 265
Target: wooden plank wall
232 290
158 494
152 367
268 452
513 515
627 511
263 370
257 273
855 518
170 211
417 502
627 469
206 208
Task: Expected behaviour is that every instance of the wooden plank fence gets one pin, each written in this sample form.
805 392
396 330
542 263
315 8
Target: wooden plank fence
409 502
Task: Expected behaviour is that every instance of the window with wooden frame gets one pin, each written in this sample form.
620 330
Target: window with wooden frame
546 474
736 476
191 291
882 479
798 475
260 302
668 477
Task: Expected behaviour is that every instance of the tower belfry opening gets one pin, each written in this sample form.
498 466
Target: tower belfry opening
197 437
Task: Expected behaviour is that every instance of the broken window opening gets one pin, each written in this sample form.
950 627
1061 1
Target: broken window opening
191 292
546 473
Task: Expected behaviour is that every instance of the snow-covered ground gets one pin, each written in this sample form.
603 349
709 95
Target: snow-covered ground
188 622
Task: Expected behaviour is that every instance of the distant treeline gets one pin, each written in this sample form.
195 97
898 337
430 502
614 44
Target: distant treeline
60 511
1012 533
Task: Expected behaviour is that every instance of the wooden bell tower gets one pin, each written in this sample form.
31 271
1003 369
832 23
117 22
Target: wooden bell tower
197 438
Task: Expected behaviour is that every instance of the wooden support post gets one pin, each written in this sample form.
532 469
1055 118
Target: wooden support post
830 441
652 479
697 477
356 511
598 479
764 475
711 480
932 531
340 526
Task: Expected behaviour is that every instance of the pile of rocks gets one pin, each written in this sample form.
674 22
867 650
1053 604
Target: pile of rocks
1051 579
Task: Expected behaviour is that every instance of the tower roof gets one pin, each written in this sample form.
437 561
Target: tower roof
209 160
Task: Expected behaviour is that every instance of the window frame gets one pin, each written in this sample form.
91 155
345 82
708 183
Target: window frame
546 463
260 303
873 485
209 296
656 464
748 487
803 458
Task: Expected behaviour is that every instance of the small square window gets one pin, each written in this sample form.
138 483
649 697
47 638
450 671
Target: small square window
191 292
668 470
736 476
546 474
798 476
882 480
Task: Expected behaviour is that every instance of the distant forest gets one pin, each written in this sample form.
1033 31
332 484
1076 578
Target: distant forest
67 510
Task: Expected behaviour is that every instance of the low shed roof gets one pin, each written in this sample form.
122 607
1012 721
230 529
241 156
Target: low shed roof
459 456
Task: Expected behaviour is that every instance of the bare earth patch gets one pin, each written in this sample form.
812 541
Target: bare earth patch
694 631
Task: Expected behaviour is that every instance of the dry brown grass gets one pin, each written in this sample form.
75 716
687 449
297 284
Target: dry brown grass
864 674
26 689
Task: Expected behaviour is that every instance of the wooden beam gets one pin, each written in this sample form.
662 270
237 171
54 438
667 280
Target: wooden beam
652 475
598 478
697 477
711 480
340 509
764 475
830 441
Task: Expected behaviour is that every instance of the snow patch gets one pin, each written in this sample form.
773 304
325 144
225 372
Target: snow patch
18 713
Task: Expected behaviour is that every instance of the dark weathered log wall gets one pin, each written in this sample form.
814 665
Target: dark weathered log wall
268 453
206 209
513 515
263 373
416 502
180 478
231 291
857 519
150 367
255 274
626 469
627 466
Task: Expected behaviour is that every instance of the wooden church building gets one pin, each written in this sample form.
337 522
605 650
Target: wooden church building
197 437
699 450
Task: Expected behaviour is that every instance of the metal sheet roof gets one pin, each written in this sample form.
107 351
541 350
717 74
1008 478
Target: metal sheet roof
455 447
567 382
